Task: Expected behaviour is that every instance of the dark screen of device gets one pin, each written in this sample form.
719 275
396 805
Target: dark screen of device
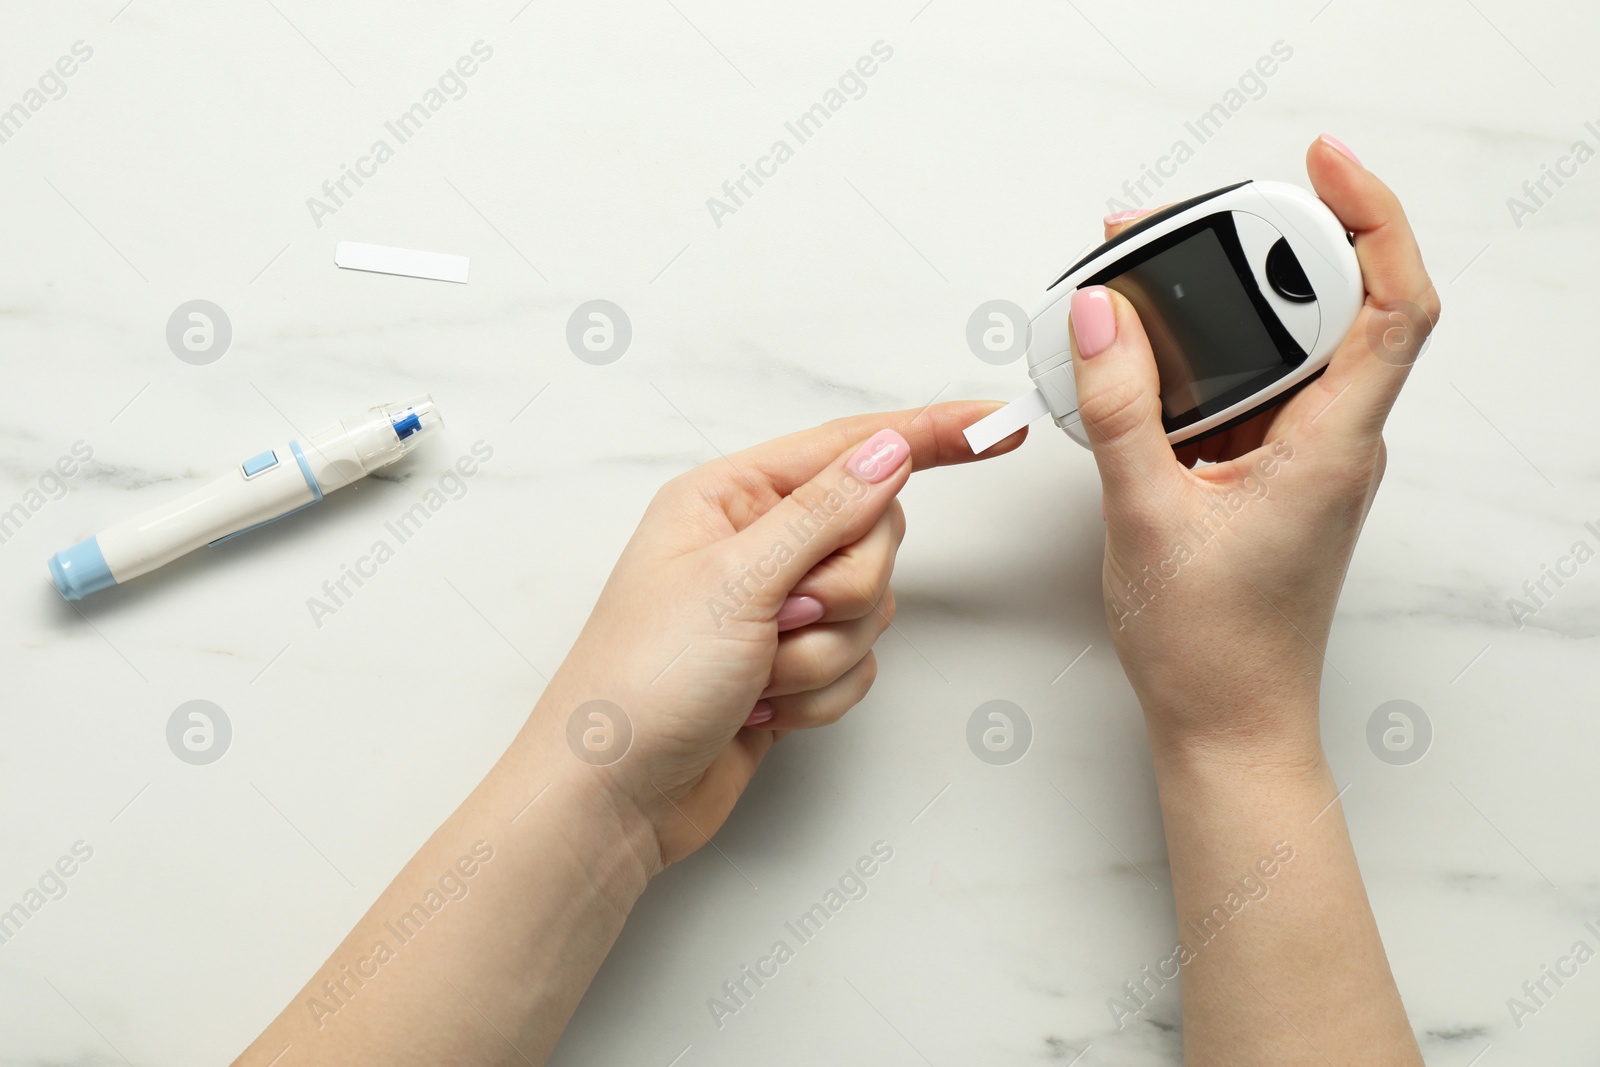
1207 336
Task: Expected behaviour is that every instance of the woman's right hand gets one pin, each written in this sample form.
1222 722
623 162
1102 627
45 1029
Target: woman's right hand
1220 580
745 605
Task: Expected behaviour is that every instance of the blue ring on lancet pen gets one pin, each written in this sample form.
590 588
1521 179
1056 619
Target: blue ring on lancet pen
316 496
305 469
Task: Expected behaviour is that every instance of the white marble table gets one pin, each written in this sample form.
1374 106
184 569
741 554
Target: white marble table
175 164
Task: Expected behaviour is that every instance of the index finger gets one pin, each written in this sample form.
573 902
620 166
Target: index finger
933 432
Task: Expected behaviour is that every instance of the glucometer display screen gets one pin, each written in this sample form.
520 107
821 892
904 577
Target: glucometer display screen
1206 320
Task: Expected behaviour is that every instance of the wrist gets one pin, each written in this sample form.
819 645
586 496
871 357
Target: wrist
596 823
1281 742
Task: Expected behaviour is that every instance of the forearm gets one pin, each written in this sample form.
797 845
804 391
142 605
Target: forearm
1282 962
486 966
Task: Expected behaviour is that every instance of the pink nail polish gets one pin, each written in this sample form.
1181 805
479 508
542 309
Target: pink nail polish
1340 146
798 611
1123 216
1094 320
880 457
762 712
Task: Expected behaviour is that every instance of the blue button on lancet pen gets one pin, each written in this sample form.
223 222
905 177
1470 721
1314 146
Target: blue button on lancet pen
258 464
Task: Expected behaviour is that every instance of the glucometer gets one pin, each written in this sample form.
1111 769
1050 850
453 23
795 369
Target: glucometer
1244 292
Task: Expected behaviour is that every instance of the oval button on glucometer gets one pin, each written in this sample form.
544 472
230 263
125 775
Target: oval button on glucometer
1286 275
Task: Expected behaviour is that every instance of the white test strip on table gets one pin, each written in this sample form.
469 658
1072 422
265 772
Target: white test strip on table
440 266
999 425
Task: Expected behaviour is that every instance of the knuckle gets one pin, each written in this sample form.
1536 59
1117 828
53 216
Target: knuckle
1431 305
858 601
671 492
837 425
1116 410
828 706
827 711
827 510
694 489
845 597
854 586
869 672
881 573
815 668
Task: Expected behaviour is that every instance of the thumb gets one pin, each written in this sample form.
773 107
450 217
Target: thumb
1119 394
835 508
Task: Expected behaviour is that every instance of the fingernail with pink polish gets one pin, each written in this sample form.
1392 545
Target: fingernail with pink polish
1340 146
762 712
1123 216
798 611
880 457
1094 320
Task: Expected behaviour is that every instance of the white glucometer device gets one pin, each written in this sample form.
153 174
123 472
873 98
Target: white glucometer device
1244 292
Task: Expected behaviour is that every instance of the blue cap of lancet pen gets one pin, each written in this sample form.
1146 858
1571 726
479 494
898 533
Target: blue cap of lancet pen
264 487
